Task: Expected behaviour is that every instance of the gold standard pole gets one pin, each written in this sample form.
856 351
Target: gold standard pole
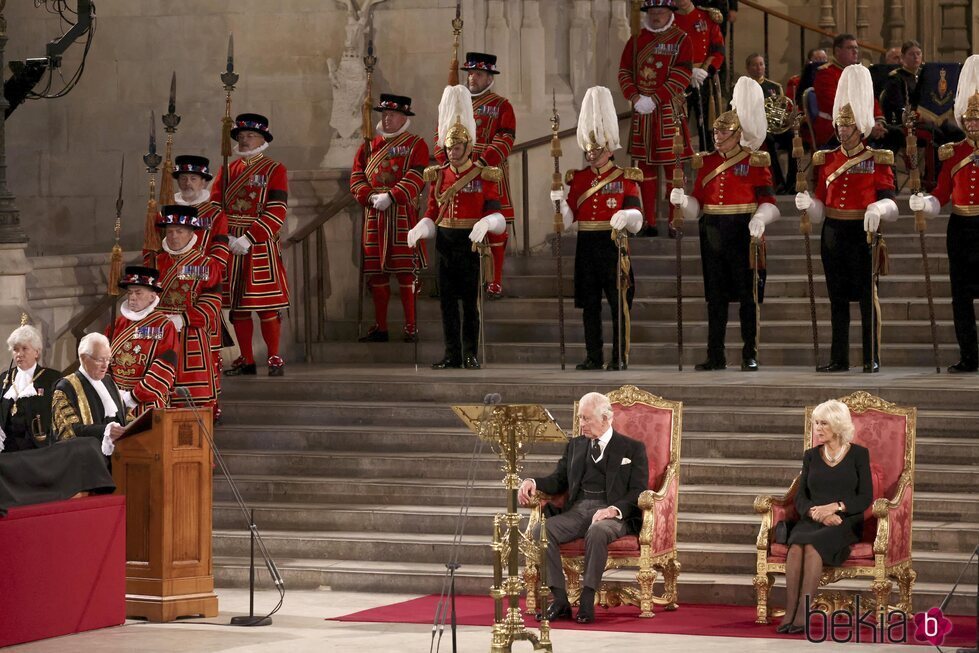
558 184
805 227
679 115
456 34
367 132
151 236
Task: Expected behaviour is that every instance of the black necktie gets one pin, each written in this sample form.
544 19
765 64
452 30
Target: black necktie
596 450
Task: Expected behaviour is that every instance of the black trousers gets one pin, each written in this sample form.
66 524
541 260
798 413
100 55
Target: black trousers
458 277
962 241
847 261
725 248
595 264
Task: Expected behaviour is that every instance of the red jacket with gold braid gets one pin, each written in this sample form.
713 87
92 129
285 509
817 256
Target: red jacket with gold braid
258 195
191 291
592 210
457 199
957 180
732 183
395 166
660 69
706 40
824 85
847 183
496 129
144 358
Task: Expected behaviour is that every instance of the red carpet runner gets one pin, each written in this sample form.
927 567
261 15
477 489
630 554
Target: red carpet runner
708 620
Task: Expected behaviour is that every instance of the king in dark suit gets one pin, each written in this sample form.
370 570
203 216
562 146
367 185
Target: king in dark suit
604 473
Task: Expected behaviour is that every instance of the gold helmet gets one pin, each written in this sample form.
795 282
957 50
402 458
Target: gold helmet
972 108
456 134
728 121
456 121
845 117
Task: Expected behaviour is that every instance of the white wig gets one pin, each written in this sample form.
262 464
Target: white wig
24 335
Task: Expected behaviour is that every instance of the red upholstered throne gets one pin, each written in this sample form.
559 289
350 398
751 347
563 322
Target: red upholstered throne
656 422
884 553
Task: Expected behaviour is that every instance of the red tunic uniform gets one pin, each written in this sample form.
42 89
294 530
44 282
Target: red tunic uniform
848 184
395 166
957 181
734 183
191 291
256 207
144 358
706 40
824 86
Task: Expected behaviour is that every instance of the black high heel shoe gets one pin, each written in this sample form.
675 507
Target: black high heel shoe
783 628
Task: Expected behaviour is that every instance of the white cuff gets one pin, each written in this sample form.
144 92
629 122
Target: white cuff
567 217
497 223
932 206
816 211
108 446
426 227
618 513
127 398
691 211
767 213
887 209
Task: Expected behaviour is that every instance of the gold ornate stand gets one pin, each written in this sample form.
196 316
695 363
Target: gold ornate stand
511 428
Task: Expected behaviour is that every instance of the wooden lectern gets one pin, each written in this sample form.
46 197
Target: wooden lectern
163 466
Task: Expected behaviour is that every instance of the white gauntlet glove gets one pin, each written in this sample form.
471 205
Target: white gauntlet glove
493 223
627 219
871 219
559 195
678 197
917 202
424 229
803 201
697 77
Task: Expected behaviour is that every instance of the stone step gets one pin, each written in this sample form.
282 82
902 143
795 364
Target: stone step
707 498
693 527
695 557
417 578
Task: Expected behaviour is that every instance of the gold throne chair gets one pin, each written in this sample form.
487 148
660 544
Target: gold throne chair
657 423
883 556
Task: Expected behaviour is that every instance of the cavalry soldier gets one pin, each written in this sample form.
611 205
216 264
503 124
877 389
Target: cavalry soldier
256 203
855 189
655 68
957 183
601 197
191 298
496 129
734 192
846 52
388 184
144 343
464 204
701 26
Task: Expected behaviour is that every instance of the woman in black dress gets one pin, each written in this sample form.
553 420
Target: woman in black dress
834 491
25 393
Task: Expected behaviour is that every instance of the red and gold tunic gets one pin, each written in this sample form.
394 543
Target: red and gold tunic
848 182
496 129
732 183
658 67
144 358
395 166
706 40
595 196
957 180
824 85
457 199
191 291
258 195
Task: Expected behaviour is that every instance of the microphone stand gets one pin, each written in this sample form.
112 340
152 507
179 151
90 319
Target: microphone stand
256 537
948 597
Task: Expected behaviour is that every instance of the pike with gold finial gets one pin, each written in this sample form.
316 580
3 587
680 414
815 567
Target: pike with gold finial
151 236
557 184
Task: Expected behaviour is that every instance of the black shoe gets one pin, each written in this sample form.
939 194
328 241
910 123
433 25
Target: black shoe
494 291
615 366
471 362
447 363
374 334
783 628
871 368
410 333
589 364
585 616
586 606
671 232
277 366
709 366
557 611
963 367
749 365
834 367
240 368
795 630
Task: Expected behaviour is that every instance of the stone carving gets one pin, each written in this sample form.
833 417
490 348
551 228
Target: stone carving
348 80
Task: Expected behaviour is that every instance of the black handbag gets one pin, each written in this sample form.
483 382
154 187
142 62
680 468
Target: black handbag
782 531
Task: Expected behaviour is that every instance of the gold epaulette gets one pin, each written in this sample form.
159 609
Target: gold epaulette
819 157
893 72
760 160
569 176
715 14
632 174
946 151
697 160
491 173
431 173
884 157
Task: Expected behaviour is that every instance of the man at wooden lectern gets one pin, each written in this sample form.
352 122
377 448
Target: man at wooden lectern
603 473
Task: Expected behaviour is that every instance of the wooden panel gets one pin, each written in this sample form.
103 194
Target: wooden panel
186 489
137 490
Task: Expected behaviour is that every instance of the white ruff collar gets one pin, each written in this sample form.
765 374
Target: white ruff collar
487 89
183 250
250 153
403 129
203 196
134 316
669 24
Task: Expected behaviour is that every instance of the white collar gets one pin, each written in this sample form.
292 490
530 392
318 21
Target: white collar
133 316
487 89
183 250
669 24
202 197
403 129
22 385
250 153
102 391
602 442
28 372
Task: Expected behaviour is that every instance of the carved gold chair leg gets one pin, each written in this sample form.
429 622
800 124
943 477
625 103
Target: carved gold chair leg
646 579
671 572
531 576
572 574
763 586
906 584
882 592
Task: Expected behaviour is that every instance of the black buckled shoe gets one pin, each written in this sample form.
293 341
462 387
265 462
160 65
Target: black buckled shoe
410 333
834 366
749 365
963 367
470 362
871 368
557 611
709 366
494 290
374 334
240 368
615 366
589 364
277 366
447 363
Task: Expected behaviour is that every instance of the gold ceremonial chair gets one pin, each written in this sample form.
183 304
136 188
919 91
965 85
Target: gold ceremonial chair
656 422
884 553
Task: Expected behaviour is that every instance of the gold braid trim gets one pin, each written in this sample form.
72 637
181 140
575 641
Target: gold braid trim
63 417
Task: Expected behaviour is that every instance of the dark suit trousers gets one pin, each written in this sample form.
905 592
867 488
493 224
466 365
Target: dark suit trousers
573 524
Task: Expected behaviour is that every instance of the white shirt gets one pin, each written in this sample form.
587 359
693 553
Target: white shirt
602 442
23 384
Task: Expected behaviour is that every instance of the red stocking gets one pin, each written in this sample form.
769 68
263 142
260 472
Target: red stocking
381 292
244 329
271 328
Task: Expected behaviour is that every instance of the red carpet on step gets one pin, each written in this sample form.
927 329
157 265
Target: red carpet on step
708 620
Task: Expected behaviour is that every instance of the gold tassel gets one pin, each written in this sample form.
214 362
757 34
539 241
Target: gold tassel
115 270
